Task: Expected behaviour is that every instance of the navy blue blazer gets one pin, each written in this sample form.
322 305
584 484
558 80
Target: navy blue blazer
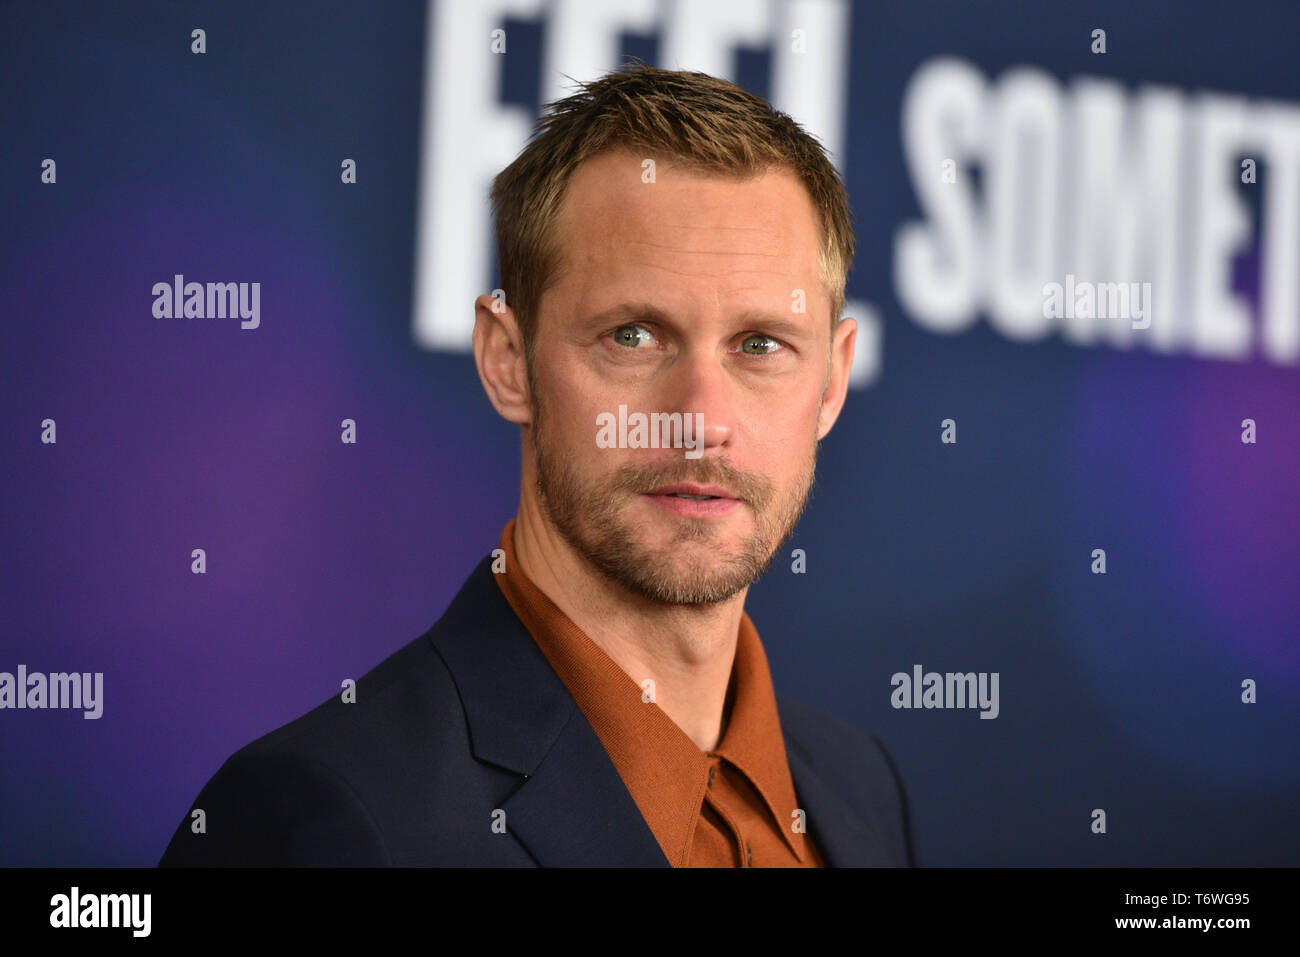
470 719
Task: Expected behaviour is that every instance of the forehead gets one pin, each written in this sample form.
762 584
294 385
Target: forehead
614 228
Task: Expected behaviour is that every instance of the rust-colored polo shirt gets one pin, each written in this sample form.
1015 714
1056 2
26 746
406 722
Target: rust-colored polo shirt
733 806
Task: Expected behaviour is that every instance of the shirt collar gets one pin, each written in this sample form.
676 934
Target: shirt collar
664 770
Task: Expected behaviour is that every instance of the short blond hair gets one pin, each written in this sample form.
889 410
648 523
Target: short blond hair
699 121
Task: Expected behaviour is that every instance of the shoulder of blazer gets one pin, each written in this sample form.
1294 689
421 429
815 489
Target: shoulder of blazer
856 765
319 780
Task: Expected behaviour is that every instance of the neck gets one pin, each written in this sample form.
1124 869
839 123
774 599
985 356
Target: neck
687 651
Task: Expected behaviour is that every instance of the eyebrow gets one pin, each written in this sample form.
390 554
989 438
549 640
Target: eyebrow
644 311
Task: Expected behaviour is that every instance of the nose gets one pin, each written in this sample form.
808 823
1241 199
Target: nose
699 384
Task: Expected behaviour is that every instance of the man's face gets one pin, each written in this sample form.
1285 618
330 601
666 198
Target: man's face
681 295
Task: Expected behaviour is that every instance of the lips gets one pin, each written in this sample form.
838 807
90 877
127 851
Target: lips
691 491
693 500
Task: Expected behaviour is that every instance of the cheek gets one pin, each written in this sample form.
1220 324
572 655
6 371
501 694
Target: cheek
574 394
564 406
781 429
571 433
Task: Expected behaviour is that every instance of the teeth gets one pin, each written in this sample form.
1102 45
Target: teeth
694 498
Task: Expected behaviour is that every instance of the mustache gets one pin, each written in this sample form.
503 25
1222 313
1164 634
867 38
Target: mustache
747 486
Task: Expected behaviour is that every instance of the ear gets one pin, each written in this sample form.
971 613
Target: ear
837 383
499 356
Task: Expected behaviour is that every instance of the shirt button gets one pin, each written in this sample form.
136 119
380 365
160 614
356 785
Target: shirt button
711 770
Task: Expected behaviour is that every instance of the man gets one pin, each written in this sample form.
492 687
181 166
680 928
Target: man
674 251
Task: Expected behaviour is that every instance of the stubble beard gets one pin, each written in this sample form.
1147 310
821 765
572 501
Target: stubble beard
685 571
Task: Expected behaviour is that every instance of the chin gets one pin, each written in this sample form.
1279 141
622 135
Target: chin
708 545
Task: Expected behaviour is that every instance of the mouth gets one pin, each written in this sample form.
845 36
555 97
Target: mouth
696 501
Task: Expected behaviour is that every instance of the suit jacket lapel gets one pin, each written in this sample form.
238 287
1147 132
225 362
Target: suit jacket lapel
843 836
571 808
575 810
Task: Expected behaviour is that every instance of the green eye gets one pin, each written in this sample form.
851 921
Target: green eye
758 345
631 336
